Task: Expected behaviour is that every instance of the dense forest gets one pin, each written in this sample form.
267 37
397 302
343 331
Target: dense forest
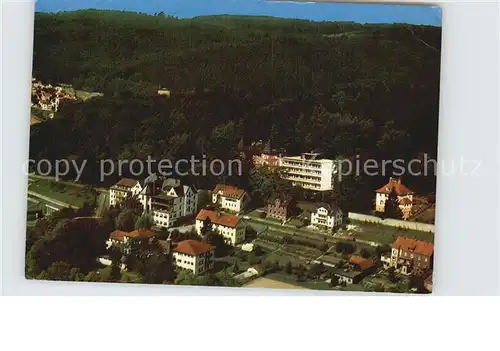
343 88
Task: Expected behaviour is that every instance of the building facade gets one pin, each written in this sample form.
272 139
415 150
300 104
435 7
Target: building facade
279 206
410 256
194 255
230 227
230 198
168 200
269 157
308 172
122 239
326 216
126 187
404 195
356 269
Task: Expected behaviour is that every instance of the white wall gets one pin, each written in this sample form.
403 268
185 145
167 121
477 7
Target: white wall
423 227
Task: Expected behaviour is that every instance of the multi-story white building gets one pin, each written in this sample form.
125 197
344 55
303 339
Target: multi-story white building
326 216
126 187
308 171
194 255
230 227
168 201
230 198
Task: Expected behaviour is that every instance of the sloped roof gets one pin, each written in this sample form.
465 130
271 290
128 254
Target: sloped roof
127 182
331 208
193 247
395 184
413 245
229 191
141 233
225 220
118 235
362 263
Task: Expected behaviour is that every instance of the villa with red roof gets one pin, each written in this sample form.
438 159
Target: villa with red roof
405 196
230 198
230 227
124 188
122 239
194 255
410 256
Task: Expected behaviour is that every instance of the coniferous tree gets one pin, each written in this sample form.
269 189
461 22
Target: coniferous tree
392 209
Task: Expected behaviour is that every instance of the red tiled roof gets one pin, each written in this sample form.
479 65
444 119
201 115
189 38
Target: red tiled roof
118 235
412 245
225 220
141 233
229 191
193 247
127 182
396 184
363 263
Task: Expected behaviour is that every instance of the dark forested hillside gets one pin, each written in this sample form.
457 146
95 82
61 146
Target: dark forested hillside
344 88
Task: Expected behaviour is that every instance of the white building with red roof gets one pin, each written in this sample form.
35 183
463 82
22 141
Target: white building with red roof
231 227
230 198
404 195
194 255
122 239
126 187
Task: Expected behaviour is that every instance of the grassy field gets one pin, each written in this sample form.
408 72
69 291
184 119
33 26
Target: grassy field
72 195
383 234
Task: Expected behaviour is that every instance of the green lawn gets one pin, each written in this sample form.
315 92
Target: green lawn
72 195
383 234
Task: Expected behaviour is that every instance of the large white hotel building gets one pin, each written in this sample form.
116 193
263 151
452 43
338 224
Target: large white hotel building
308 171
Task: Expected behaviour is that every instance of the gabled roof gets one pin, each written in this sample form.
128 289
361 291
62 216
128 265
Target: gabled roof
224 220
179 190
138 233
127 182
331 208
141 234
394 183
229 191
284 199
362 263
193 247
118 235
412 245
